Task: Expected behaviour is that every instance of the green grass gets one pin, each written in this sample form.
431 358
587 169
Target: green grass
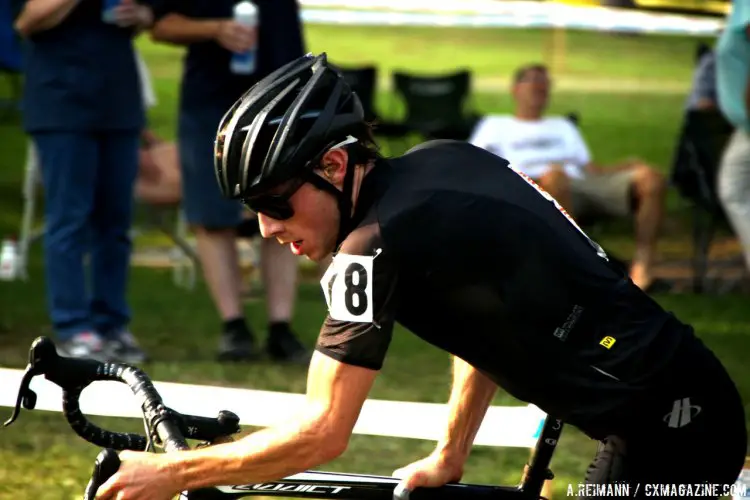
629 92
491 53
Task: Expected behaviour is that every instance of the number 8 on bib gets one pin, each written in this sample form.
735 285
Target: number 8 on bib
347 285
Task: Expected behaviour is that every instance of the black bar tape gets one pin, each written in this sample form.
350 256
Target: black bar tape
93 433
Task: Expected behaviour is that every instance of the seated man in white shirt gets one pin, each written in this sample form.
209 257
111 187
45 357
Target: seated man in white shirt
552 151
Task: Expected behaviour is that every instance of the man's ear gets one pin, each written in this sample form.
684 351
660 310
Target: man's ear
333 165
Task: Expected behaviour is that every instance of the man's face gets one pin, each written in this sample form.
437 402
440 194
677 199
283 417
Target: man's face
532 90
313 228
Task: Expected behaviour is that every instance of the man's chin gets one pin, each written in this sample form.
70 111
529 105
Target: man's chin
314 257
317 256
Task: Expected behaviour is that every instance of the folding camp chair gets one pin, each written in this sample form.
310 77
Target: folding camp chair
701 143
363 81
436 105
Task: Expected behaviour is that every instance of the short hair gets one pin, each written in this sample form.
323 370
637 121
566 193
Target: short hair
526 69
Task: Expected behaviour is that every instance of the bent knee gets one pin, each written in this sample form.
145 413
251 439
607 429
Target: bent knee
554 180
649 182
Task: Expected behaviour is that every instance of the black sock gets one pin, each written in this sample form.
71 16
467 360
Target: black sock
278 327
236 326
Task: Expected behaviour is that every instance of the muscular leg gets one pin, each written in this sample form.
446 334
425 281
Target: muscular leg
214 220
649 188
221 270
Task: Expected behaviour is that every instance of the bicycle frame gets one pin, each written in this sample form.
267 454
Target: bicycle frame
329 485
171 429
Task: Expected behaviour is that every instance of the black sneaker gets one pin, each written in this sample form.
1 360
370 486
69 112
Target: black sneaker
124 348
237 345
284 346
84 345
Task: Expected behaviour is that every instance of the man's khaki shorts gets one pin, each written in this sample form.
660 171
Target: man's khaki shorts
604 194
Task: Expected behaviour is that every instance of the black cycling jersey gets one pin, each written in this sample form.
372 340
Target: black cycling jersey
470 255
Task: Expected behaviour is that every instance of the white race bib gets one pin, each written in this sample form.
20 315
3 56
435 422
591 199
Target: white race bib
347 286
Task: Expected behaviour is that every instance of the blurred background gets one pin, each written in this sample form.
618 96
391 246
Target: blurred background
622 70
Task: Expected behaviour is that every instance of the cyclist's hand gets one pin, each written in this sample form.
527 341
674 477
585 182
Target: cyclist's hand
235 37
141 476
432 471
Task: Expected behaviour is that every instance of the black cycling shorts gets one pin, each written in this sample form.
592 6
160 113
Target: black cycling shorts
689 430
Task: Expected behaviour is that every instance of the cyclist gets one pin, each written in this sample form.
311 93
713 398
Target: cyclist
458 247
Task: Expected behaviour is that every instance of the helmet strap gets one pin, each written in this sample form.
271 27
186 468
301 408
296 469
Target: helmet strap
343 197
345 201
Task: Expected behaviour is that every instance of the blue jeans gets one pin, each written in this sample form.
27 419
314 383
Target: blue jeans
88 184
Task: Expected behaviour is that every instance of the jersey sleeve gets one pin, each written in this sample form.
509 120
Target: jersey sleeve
359 287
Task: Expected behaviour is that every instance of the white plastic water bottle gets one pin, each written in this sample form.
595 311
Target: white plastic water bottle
246 14
9 260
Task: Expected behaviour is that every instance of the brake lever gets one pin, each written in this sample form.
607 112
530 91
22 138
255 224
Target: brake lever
40 350
26 396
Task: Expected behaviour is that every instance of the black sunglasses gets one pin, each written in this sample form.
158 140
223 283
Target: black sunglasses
276 205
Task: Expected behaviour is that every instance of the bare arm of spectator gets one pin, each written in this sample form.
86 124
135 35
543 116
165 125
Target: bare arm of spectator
179 29
40 15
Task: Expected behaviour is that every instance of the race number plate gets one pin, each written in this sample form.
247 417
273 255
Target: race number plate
347 285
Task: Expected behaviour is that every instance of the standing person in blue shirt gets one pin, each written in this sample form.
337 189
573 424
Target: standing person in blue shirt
733 86
82 108
209 87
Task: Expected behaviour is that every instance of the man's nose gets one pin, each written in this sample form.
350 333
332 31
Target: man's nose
269 226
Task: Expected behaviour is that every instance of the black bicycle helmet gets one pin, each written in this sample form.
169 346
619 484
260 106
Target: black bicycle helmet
280 128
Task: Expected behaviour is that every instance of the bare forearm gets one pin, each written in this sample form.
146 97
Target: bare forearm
265 455
40 15
471 395
181 30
